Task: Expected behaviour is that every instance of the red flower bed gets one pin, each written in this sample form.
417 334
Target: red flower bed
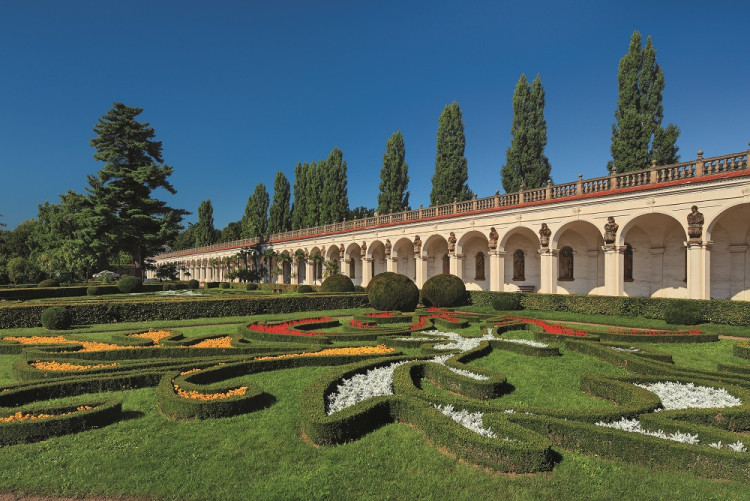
652 332
439 313
285 327
362 325
562 330
381 314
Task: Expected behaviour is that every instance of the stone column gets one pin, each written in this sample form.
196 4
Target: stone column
391 264
548 277
657 269
699 270
421 264
737 267
497 270
366 271
457 265
614 263
309 272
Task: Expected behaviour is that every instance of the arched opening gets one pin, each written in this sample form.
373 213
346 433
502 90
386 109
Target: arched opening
435 249
353 257
403 253
730 259
479 266
475 269
627 271
565 265
580 259
522 261
519 266
376 251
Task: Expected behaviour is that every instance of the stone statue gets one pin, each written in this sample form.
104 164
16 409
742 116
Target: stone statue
493 238
519 265
452 243
566 264
387 248
479 266
417 245
544 235
364 248
610 231
342 249
695 223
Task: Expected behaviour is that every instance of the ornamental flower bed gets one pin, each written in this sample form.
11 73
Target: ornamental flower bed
218 342
381 314
286 327
39 340
154 336
652 332
435 313
61 367
195 395
362 325
96 346
20 416
558 329
380 349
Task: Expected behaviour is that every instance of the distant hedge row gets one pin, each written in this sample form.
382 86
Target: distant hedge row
57 292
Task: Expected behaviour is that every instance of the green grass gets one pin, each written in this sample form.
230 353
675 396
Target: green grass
261 455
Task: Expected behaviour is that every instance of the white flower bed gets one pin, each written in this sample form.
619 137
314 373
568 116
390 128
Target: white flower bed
469 420
736 447
416 339
688 396
632 349
359 387
458 342
179 293
443 358
634 426
535 344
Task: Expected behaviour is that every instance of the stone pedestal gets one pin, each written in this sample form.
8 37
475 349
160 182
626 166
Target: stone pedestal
548 271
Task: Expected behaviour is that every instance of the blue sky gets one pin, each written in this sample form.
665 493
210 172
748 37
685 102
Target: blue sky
240 90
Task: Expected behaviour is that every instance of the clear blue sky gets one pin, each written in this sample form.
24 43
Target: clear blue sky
239 90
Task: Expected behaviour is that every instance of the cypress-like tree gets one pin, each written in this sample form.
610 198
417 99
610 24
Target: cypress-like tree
334 200
637 134
314 182
280 218
204 231
124 212
525 159
451 170
255 221
299 206
394 177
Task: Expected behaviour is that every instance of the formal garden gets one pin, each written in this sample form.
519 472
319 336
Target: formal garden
229 393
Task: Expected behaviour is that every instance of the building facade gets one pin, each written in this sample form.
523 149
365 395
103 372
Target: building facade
679 230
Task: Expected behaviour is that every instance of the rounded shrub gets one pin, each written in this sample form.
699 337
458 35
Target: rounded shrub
49 283
57 318
507 301
180 286
252 286
128 284
168 287
193 284
444 290
683 312
359 288
392 291
304 289
337 283
224 285
93 290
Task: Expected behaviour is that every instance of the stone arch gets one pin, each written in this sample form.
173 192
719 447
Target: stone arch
317 266
474 247
352 265
659 258
300 266
526 240
729 233
286 267
435 250
585 241
376 252
403 255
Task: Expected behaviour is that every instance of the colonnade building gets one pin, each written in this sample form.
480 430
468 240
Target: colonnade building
679 230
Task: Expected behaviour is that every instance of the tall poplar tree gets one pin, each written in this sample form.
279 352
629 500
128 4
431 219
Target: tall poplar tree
124 212
299 206
637 134
394 177
334 200
204 232
451 169
280 219
525 159
255 221
314 182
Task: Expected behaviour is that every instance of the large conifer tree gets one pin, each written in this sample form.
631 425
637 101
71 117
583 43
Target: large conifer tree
394 177
637 134
314 182
525 159
299 206
255 221
334 200
204 231
280 219
451 169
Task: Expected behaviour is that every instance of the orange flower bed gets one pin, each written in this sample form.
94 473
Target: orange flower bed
57 366
97 346
237 392
154 336
39 339
380 349
20 416
189 372
219 342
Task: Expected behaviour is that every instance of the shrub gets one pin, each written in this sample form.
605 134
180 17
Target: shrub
56 318
168 287
337 283
392 291
94 291
683 313
49 283
507 302
193 284
180 286
211 285
304 289
359 288
128 284
224 285
251 286
443 290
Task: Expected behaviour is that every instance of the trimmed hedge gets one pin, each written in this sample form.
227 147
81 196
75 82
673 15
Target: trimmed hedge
94 291
444 290
48 283
56 318
304 289
741 349
25 294
683 312
193 284
252 286
129 284
337 283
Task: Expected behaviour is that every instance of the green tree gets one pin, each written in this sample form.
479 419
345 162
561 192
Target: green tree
22 271
18 241
204 231
334 201
255 221
125 212
394 177
185 239
637 134
232 232
526 162
451 169
360 212
299 206
280 217
314 181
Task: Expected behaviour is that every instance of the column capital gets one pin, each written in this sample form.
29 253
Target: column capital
614 249
546 251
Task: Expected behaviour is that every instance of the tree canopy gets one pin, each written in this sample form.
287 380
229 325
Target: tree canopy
394 177
451 169
255 221
280 218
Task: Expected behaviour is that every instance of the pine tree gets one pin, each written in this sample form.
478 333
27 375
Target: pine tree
280 218
255 221
525 159
204 231
124 211
637 134
299 206
451 170
394 177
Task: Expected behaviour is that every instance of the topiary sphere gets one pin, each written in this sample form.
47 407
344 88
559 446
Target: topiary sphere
49 283
251 286
93 290
443 290
304 289
224 285
337 283
128 284
193 284
57 318
392 291
359 288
